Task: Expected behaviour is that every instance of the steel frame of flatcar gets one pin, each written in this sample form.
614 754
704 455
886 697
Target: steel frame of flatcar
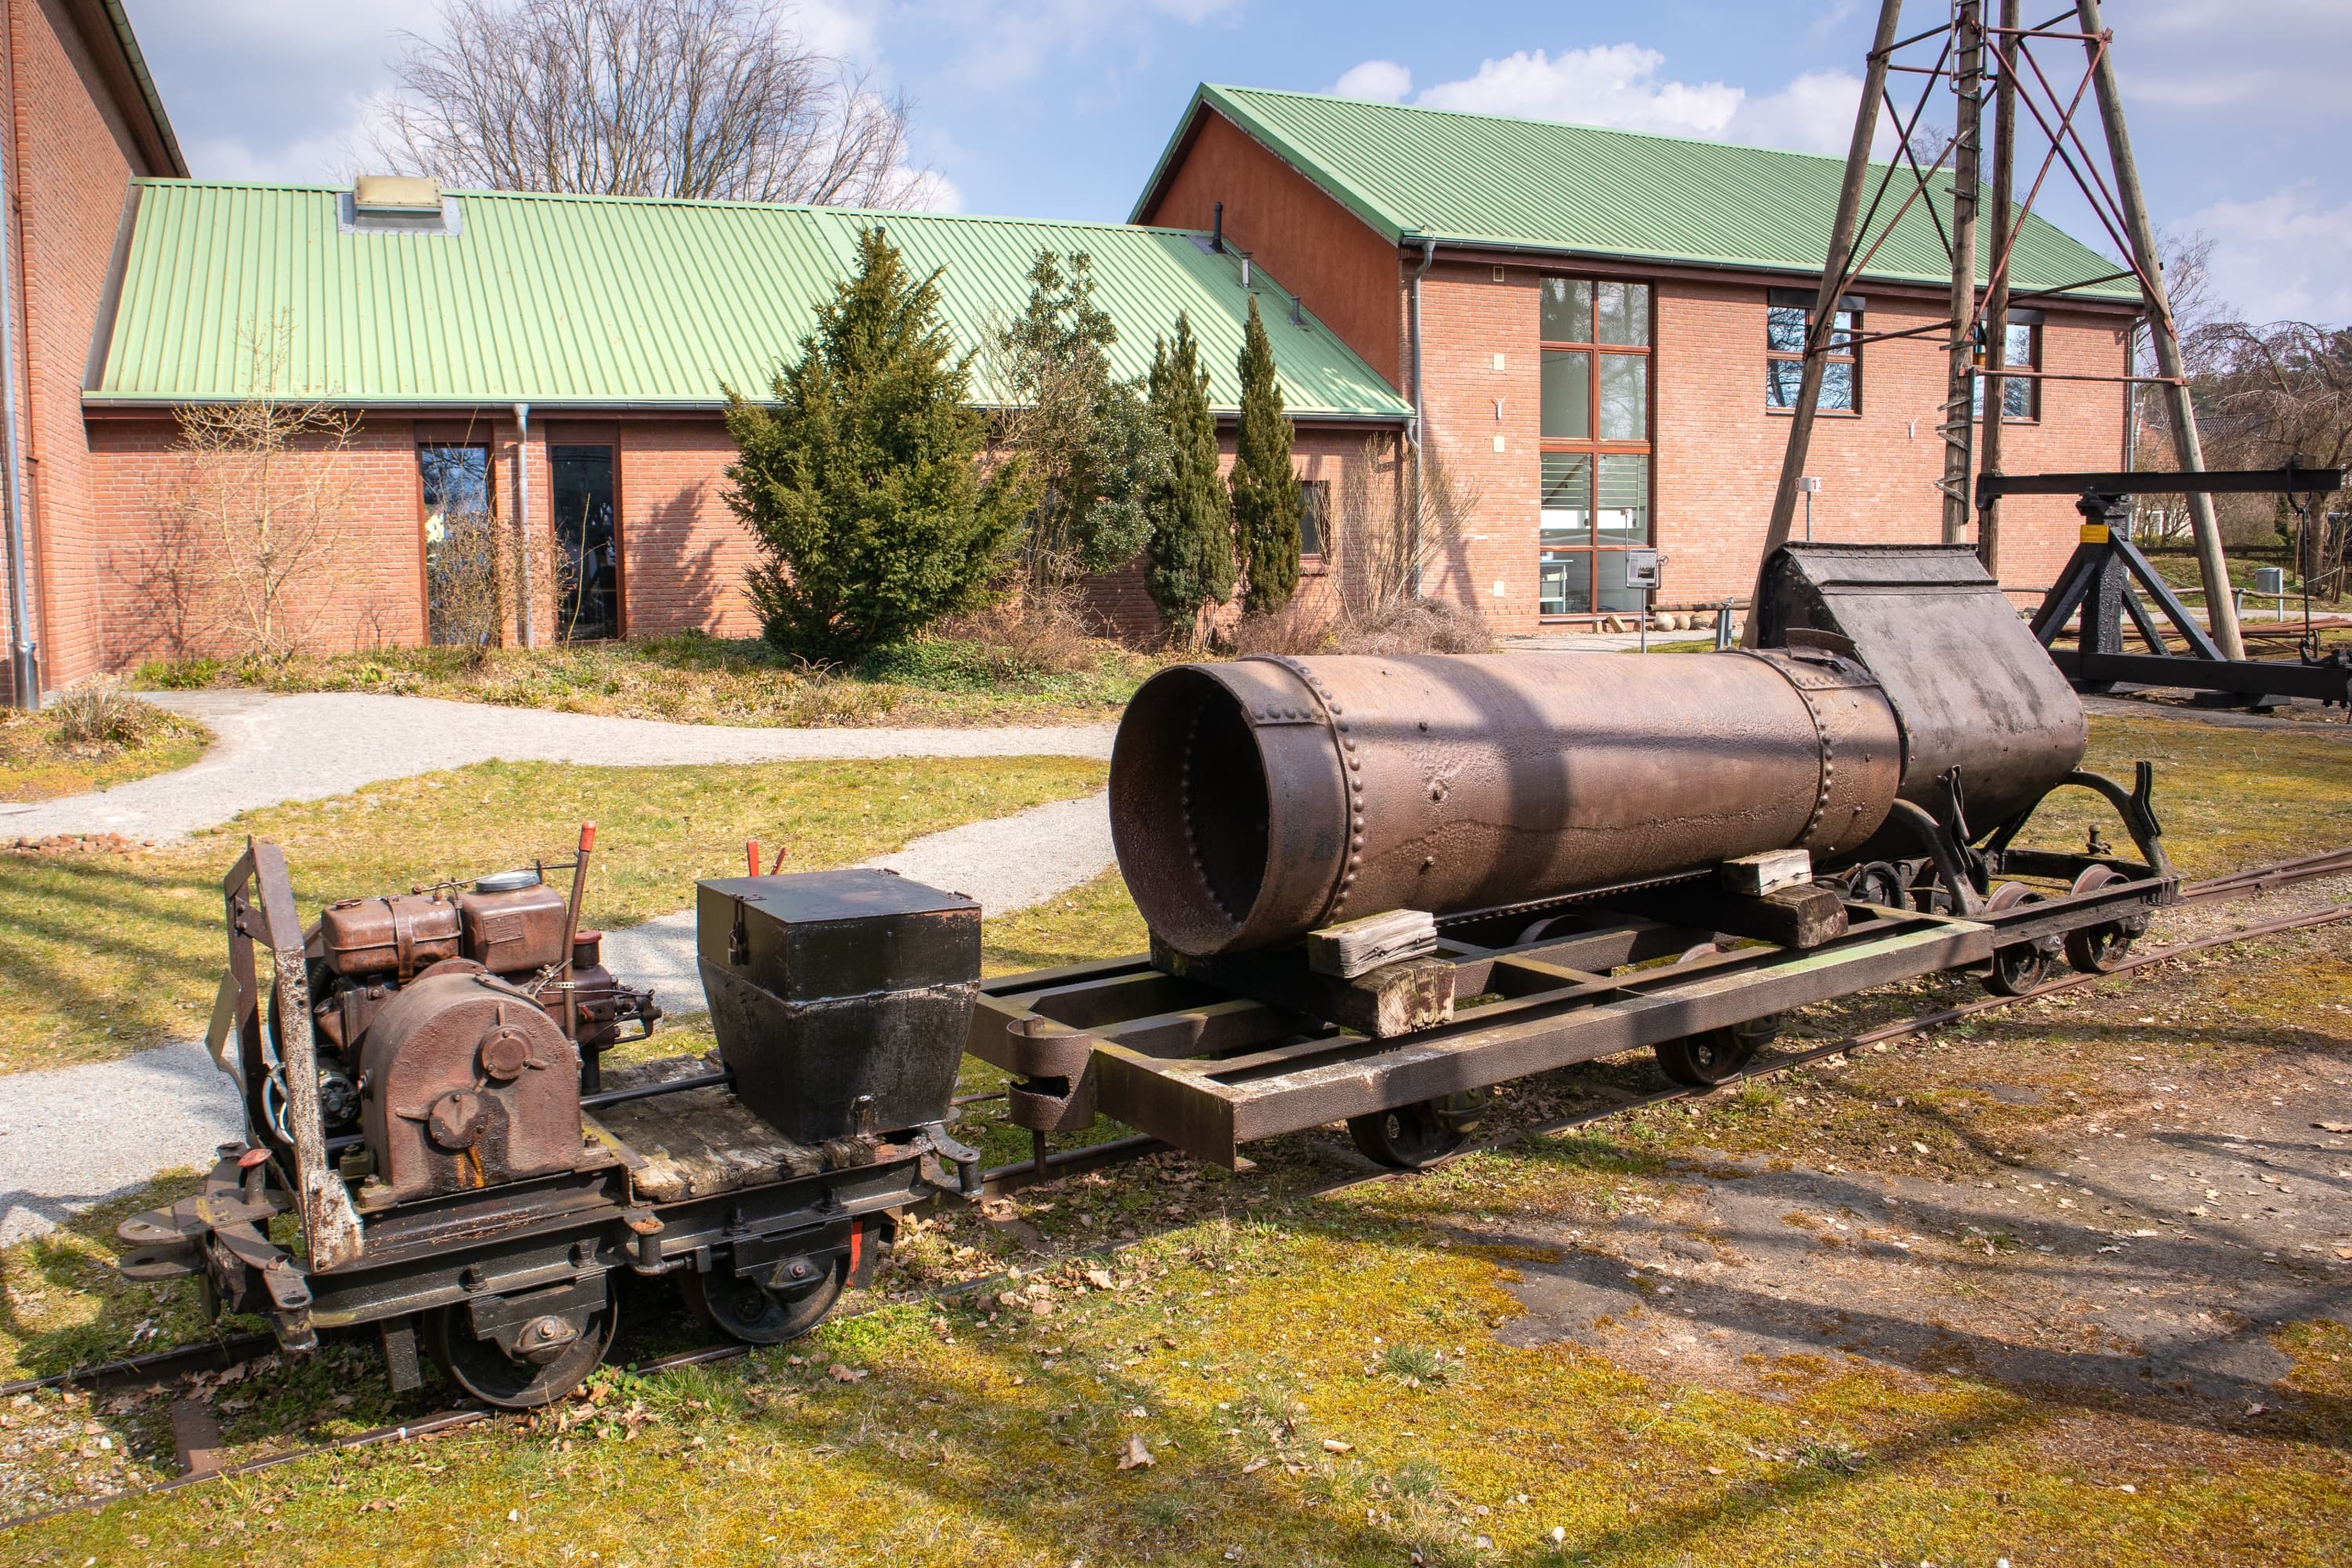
509 1241
1207 1072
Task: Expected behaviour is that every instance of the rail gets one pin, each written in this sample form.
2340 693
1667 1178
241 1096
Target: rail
157 1367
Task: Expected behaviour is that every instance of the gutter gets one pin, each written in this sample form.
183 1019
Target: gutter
24 652
1420 411
115 18
522 511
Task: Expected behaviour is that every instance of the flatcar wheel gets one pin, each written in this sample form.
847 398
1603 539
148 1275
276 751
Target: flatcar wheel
744 1308
2022 965
2096 950
1709 1057
1415 1137
517 1383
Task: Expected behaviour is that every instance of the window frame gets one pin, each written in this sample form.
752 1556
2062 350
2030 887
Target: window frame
1594 446
611 446
1321 508
423 443
2033 321
1854 307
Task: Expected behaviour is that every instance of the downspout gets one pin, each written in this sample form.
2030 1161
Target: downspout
1420 414
25 657
523 512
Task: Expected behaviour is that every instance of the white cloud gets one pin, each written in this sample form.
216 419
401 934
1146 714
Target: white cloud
1815 113
2280 256
1620 86
1383 81
1613 84
1009 42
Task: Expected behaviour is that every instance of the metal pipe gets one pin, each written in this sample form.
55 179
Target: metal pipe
522 513
1996 392
1419 415
1255 801
2182 412
24 651
1960 379
571 928
646 1091
1840 253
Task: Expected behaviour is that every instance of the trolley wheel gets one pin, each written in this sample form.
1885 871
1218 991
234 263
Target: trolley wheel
2096 950
744 1308
1415 1137
574 1345
2021 965
1708 1057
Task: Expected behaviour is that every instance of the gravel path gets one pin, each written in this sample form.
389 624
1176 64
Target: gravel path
75 1136
315 745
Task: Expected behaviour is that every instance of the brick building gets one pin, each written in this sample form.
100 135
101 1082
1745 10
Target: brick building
560 363
1604 328
1593 329
82 120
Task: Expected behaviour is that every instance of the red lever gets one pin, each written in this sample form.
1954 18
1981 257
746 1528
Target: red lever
751 855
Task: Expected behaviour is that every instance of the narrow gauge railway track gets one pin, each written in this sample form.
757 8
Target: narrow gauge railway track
218 1354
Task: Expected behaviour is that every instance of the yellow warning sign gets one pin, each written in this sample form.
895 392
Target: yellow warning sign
2094 533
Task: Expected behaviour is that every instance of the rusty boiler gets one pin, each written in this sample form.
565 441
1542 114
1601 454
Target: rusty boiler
1255 801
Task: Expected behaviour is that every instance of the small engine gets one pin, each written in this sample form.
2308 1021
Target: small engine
455 1038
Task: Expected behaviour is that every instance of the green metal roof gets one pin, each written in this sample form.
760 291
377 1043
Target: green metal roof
1488 180
600 302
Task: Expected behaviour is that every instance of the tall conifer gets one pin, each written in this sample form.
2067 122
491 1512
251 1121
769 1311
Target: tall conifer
1190 564
1265 493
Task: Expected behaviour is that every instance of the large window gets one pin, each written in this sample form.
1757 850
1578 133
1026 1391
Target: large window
1314 517
1595 425
589 595
462 600
2020 398
1787 313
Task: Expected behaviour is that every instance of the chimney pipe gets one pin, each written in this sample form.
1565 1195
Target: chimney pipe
1217 233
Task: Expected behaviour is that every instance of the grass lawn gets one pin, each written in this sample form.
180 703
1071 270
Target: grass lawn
1492 1362
38 763
111 949
694 678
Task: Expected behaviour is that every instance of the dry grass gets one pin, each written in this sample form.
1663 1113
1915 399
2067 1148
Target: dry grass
1420 626
998 669
114 949
93 737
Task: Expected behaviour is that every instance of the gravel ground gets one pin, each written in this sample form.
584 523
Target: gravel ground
78 1135
315 745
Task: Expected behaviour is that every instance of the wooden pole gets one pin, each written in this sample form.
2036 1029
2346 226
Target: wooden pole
2004 179
2221 610
1959 381
1834 279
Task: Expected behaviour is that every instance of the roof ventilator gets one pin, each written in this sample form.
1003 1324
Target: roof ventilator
397 204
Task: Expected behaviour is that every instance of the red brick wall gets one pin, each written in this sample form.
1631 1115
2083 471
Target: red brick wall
1308 242
683 554
1717 448
365 591
71 155
1122 608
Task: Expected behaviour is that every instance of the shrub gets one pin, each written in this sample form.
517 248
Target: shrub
1266 502
101 713
859 481
1190 565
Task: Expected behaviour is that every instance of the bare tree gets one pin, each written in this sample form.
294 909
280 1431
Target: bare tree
704 98
1398 522
259 498
2281 393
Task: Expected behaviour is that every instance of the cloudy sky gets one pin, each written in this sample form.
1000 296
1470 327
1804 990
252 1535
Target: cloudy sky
1058 107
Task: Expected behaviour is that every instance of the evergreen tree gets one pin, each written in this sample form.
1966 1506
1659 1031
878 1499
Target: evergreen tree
858 479
1093 451
1191 564
1265 493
